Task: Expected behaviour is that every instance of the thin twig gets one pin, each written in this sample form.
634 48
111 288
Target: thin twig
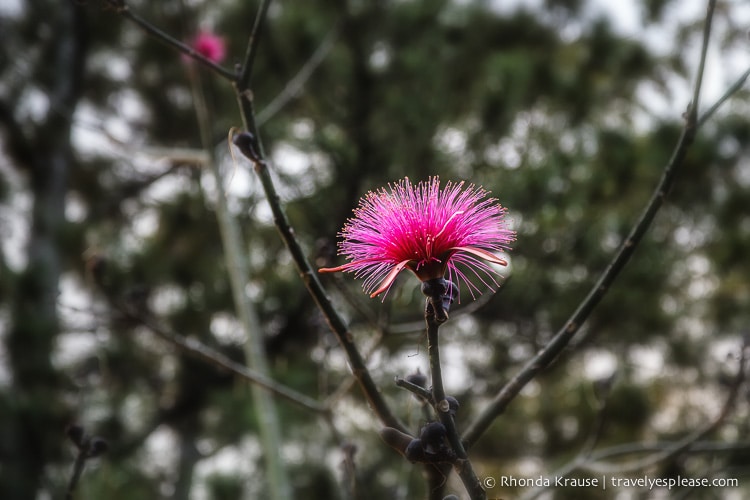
242 85
641 447
436 475
246 73
202 351
78 467
686 442
550 352
702 61
315 288
734 88
438 391
347 383
295 85
593 461
88 447
415 389
124 10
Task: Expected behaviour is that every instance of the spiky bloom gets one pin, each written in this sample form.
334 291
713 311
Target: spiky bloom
431 232
210 46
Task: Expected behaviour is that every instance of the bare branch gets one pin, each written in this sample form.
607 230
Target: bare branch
550 352
121 7
593 461
319 295
295 85
434 319
269 427
415 389
250 145
202 351
88 447
686 442
733 89
242 85
246 73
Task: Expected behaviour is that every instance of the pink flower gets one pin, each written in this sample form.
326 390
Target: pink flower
210 46
427 230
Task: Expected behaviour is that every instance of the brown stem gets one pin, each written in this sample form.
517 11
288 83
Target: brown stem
462 465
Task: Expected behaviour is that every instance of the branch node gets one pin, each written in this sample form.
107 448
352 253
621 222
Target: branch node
246 142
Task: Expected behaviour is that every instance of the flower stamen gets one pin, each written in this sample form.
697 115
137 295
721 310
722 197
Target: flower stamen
426 230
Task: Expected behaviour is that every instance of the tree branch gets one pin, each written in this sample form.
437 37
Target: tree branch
416 390
269 425
734 88
88 447
462 465
309 277
686 442
318 293
121 7
246 73
201 351
242 85
250 145
593 461
295 85
550 352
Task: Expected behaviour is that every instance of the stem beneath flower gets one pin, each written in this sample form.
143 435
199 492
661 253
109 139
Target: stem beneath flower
462 465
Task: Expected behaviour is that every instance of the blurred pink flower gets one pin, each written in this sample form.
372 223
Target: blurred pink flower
426 230
210 46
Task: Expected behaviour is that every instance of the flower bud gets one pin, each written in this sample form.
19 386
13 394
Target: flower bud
417 378
453 405
98 446
432 436
415 451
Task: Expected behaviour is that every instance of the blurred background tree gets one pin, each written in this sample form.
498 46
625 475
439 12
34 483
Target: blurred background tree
567 117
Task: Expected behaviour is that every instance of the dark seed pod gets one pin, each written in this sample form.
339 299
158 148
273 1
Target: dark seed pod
433 437
97 447
453 405
440 293
417 378
434 431
246 143
415 452
436 287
